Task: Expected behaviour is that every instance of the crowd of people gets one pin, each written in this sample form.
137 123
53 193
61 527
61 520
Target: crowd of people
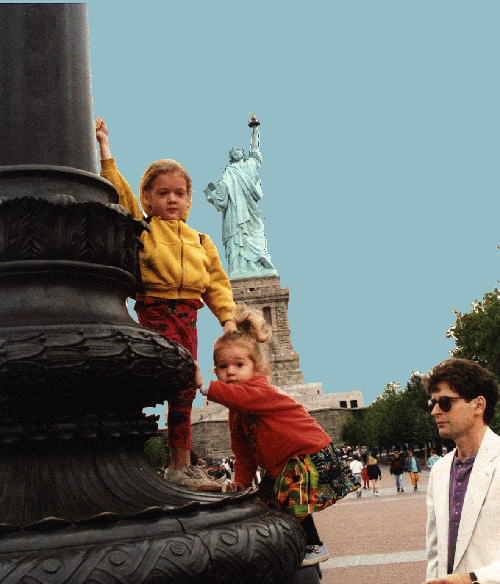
365 467
180 272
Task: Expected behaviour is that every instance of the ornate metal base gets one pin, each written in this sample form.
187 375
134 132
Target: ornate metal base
113 519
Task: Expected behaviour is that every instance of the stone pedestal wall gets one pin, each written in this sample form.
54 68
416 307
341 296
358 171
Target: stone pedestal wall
310 395
211 438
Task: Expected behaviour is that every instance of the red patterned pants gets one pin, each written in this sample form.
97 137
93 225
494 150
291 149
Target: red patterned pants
175 320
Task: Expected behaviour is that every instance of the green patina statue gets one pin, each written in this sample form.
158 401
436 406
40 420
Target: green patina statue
236 195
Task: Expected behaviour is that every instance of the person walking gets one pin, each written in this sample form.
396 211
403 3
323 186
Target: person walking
413 467
433 459
364 476
356 467
374 473
397 469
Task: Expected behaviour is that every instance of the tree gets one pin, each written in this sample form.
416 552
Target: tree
352 431
385 420
157 452
422 427
477 337
394 418
476 333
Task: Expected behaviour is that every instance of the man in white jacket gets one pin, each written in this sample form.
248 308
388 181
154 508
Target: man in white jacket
463 496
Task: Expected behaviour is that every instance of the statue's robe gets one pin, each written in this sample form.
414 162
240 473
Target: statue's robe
236 195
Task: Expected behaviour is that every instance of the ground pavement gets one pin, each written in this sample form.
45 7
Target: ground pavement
376 540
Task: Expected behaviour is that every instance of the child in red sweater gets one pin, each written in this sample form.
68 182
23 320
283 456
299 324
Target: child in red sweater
269 429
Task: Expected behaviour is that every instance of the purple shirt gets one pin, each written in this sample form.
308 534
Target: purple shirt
459 479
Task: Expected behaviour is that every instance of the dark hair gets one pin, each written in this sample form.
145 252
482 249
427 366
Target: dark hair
468 379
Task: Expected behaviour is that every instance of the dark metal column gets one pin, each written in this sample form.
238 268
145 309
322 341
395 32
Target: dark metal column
45 92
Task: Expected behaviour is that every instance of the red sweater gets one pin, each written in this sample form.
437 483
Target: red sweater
267 428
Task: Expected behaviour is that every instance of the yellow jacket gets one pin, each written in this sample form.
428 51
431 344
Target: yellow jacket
177 262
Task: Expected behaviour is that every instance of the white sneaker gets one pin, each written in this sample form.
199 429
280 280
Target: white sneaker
315 554
192 477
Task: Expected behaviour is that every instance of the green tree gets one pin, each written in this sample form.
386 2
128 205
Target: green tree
352 432
394 418
422 426
157 452
385 419
476 335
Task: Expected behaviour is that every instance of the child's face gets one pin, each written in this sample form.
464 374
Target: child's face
234 364
168 197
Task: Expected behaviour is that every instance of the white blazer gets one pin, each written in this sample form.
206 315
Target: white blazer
478 541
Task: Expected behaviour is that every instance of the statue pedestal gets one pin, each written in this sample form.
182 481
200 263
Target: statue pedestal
266 293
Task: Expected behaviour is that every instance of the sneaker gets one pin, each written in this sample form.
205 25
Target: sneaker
402 490
315 554
415 488
192 477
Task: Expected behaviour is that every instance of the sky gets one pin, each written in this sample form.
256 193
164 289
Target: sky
380 143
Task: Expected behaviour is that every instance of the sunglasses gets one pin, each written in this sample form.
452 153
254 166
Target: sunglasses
444 402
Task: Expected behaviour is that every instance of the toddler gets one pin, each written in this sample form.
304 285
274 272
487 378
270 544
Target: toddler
180 268
269 429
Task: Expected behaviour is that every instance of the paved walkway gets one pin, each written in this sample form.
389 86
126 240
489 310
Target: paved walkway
376 540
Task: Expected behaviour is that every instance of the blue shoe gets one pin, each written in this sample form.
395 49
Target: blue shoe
315 554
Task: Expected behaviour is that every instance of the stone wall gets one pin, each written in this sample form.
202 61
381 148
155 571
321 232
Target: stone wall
210 438
310 395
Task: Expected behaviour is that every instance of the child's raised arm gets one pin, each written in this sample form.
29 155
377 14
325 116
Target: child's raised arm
110 172
102 137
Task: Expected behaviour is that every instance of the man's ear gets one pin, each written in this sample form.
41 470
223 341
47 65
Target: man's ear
480 405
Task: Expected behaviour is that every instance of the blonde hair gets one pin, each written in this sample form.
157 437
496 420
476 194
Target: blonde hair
166 165
252 332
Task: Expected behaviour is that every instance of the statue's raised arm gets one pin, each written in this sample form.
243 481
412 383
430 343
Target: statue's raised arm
236 195
254 124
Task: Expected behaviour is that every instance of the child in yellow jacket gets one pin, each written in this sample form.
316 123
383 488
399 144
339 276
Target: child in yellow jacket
179 268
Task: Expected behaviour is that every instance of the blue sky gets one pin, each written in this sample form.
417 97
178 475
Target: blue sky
380 144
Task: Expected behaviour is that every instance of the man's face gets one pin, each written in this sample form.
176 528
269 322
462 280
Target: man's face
459 420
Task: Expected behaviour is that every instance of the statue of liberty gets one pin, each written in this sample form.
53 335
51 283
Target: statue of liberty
236 195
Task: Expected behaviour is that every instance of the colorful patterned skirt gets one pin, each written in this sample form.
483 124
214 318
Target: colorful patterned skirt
175 320
309 483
